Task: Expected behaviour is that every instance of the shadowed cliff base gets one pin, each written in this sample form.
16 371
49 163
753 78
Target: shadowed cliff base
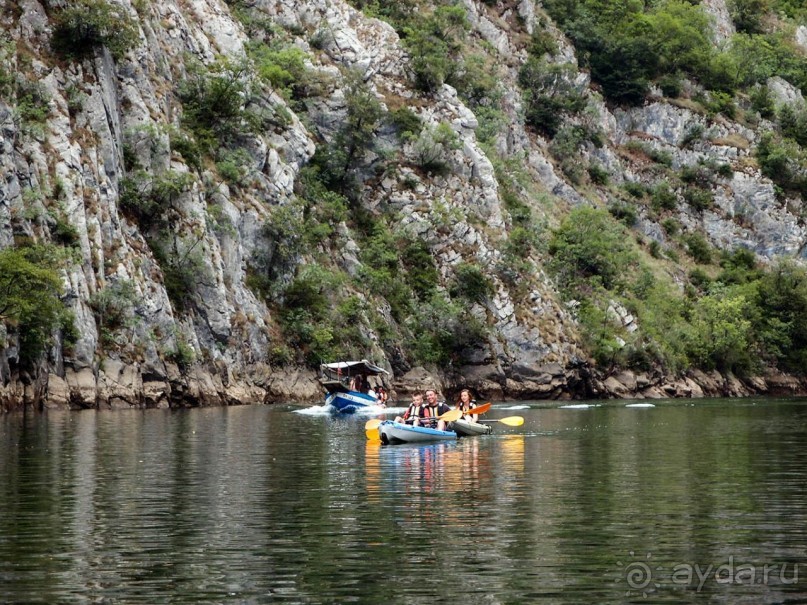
118 386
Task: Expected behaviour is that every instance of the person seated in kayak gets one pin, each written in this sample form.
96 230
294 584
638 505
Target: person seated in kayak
465 403
435 408
414 412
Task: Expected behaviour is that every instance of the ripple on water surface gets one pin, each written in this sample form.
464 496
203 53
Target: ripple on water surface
262 504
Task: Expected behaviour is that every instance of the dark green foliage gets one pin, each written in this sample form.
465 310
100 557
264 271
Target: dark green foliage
550 94
793 123
421 273
722 102
318 320
662 197
634 189
671 85
63 232
783 315
433 148
443 333
590 244
87 25
739 267
406 122
520 242
784 162
154 202
747 14
624 213
435 43
477 81
183 144
520 213
182 265
762 101
235 167
670 226
29 299
542 43
281 66
699 279
213 101
382 271
628 43
32 102
152 199
282 246
182 354
113 307
471 283
339 160
698 248
699 199
598 174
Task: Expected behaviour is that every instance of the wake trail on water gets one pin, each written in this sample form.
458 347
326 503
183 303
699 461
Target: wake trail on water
327 410
579 406
516 407
640 405
317 410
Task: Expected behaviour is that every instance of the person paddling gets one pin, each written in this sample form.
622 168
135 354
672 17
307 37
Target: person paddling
435 408
414 412
466 403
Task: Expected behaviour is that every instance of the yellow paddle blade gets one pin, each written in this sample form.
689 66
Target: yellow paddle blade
451 415
373 434
512 420
371 424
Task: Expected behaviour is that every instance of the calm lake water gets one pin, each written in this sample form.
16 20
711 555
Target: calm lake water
684 502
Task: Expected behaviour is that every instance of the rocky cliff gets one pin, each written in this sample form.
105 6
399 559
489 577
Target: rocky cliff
205 262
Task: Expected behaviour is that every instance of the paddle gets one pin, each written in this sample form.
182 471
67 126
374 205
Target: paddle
373 434
480 409
509 421
449 416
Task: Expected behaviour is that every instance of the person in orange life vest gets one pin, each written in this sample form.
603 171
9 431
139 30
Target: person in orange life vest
434 409
466 403
414 412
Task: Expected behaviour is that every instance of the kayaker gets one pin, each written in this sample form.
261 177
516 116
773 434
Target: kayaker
466 403
435 408
414 412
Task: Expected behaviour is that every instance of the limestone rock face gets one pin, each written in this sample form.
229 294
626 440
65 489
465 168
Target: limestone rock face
109 120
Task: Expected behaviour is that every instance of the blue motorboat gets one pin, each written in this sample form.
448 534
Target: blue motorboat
349 384
349 401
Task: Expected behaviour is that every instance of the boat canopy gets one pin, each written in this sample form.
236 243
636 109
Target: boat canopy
351 368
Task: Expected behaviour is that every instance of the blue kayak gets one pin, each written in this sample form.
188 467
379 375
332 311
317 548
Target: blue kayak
396 432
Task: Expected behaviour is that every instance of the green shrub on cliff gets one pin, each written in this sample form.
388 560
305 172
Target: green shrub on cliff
29 299
84 26
590 244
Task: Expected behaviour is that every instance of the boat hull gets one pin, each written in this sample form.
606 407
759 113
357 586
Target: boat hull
468 428
395 432
349 401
